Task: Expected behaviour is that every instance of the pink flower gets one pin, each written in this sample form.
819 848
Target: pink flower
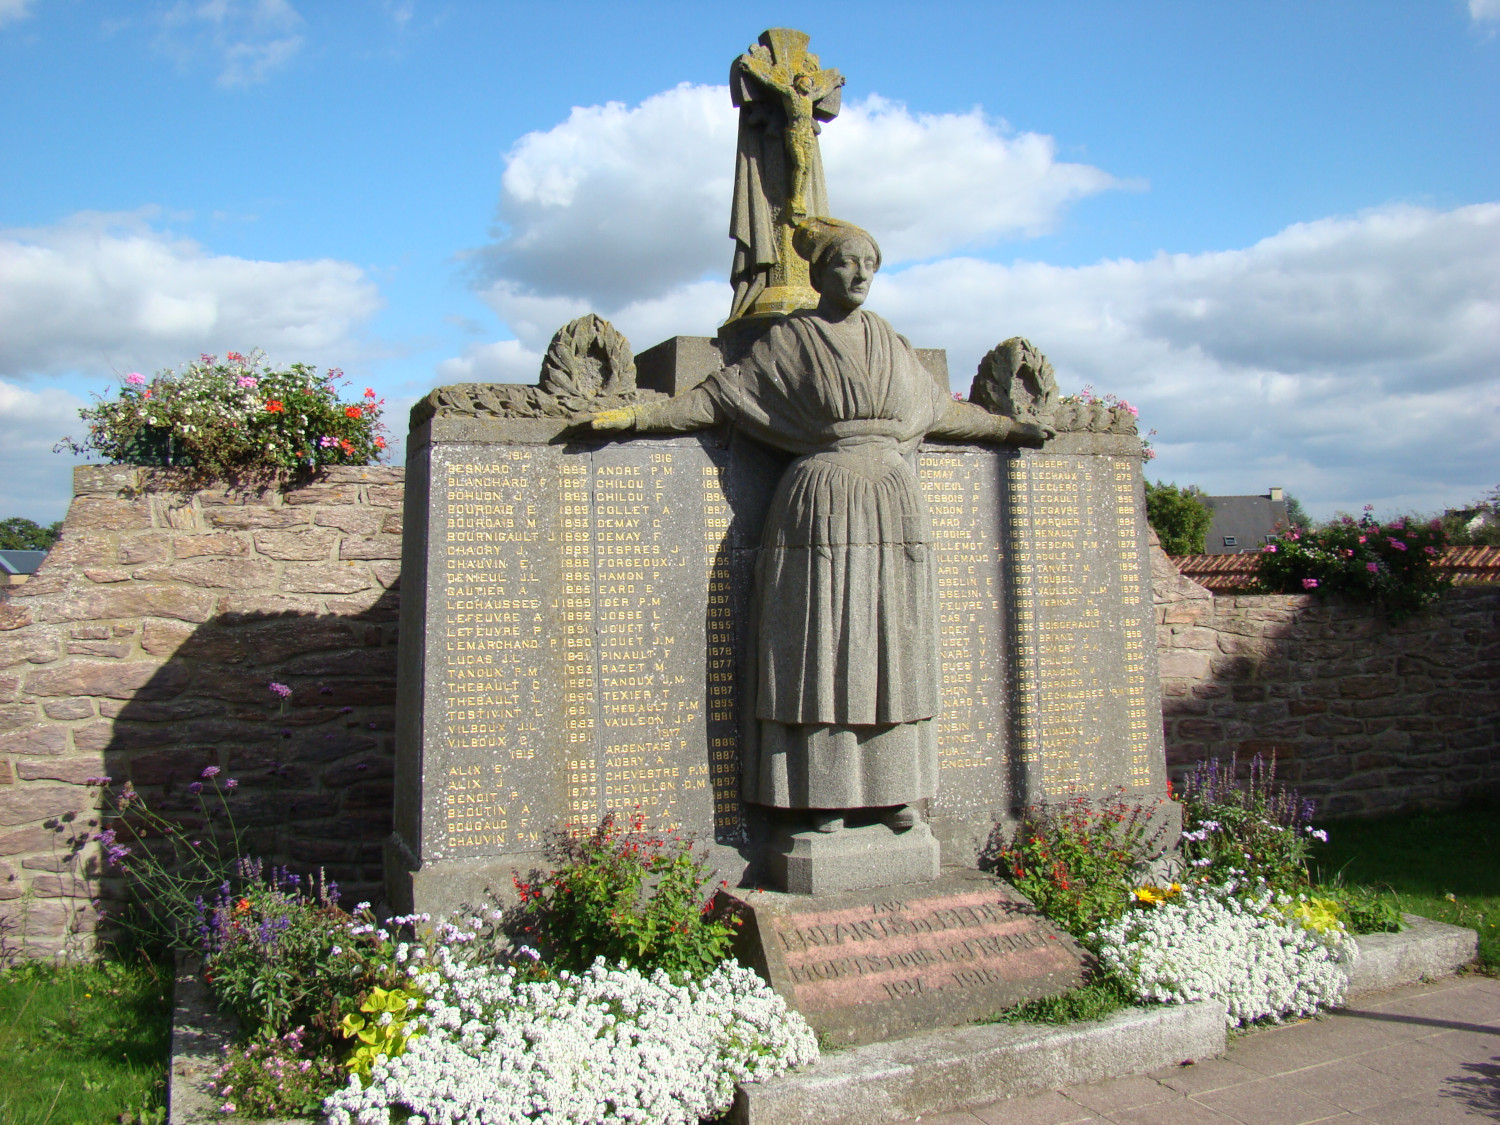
280 689
1361 538
1396 543
1430 550
369 392
135 378
245 381
1269 549
1372 567
1369 507
1309 583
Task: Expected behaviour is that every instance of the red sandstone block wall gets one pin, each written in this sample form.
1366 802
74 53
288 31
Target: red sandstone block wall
1361 715
142 650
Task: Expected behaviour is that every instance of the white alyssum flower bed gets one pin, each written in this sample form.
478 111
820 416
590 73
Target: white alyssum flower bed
1251 953
606 1045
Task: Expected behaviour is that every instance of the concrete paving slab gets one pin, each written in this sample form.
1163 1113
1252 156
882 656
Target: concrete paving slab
1347 1084
1184 1112
1201 1077
1046 1108
1271 1101
1122 1093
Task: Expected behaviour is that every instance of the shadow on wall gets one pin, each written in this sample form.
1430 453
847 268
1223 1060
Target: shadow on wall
313 773
1363 716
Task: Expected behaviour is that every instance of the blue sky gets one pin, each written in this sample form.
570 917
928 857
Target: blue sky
1274 227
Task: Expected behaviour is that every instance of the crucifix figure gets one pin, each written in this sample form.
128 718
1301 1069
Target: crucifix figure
782 93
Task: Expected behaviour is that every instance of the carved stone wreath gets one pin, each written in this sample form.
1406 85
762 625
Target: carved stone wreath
588 357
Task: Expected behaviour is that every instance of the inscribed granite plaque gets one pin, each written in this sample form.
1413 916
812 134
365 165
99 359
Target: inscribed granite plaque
870 965
1087 708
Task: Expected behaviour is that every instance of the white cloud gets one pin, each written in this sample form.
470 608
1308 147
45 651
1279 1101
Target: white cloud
619 204
13 10
505 361
102 294
928 184
1482 10
34 481
1349 359
247 38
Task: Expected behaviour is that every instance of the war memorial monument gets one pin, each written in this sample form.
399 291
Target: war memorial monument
779 589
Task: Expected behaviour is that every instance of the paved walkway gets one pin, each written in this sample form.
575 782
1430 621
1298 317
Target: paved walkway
1422 1055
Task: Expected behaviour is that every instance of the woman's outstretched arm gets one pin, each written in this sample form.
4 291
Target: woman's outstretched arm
695 409
966 422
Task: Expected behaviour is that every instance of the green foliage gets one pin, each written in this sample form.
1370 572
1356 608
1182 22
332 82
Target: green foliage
1101 997
85 1042
1181 520
1364 910
276 1077
239 420
1391 566
626 894
1245 831
21 534
1076 860
1296 514
374 1037
1438 864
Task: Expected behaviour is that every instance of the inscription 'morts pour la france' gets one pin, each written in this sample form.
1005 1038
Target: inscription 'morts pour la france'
913 946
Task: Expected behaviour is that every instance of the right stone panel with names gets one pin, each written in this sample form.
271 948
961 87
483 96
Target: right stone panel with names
1087 711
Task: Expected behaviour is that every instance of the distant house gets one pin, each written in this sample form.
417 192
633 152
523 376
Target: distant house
17 566
1244 523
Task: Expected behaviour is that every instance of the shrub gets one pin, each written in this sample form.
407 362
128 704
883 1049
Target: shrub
1392 566
170 865
1075 860
279 955
1245 833
236 419
1252 953
626 894
1180 519
605 1045
276 1077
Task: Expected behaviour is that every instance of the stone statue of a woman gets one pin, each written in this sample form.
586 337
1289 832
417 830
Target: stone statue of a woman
846 652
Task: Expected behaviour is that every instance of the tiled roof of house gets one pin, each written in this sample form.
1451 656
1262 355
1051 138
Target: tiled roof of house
1227 574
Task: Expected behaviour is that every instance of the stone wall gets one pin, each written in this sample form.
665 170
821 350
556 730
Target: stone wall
1361 715
143 650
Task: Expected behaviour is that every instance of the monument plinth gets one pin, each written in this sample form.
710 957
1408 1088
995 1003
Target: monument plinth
781 592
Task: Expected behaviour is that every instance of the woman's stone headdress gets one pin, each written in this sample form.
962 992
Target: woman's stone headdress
815 237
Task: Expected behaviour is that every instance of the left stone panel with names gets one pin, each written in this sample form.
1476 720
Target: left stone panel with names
576 611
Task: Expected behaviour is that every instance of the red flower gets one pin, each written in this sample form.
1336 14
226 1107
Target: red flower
274 406
380 443
369 392
352 411
346 446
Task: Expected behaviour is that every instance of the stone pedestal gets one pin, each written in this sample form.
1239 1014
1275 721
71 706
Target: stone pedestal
818 863
876 964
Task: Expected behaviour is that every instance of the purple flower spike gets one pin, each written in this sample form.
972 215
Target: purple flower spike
209 771
232 783
280 689
196 787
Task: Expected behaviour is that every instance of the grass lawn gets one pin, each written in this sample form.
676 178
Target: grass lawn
1441 865
85 1044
